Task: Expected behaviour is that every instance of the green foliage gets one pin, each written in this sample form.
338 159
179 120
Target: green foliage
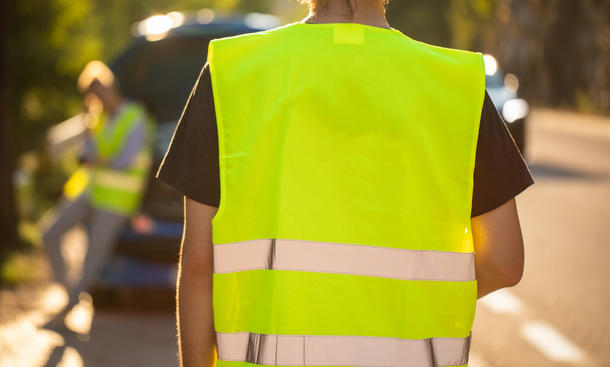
559 49
19 268
468 19
421 20
51 41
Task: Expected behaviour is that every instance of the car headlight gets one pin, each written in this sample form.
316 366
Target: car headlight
515 109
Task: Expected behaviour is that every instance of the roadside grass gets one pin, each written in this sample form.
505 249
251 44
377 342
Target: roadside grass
23 266
39 180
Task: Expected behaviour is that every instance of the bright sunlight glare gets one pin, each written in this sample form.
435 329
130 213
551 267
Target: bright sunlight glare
491 65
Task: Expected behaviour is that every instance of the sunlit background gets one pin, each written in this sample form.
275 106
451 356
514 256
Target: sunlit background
547 70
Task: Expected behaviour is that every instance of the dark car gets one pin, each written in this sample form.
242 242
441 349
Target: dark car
159 69
502 89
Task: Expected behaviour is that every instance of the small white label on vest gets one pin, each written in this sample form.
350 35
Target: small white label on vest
351 35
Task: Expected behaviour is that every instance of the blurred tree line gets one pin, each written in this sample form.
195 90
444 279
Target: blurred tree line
560 49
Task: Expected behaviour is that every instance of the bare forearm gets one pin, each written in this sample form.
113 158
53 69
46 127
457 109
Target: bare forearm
196 338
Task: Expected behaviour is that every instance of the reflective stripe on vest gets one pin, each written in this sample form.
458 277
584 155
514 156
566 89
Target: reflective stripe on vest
338 258
343 235
337 350
118 180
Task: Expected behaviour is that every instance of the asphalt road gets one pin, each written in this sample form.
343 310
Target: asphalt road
558 314
555 317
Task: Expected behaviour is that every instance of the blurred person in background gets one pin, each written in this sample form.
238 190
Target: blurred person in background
107 189
349 195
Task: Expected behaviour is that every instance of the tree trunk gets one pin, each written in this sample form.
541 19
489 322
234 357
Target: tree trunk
8 217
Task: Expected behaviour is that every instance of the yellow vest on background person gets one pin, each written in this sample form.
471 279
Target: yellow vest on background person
116 190
343 234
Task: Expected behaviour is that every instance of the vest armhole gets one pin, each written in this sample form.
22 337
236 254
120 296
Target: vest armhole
477 124
220 130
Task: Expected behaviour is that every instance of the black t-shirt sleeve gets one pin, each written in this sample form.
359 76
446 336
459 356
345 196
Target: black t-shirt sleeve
500 172
190 164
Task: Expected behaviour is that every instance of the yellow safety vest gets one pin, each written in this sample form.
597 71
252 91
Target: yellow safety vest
116 190
343 234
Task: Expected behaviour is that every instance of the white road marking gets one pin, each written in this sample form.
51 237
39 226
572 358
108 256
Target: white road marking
503 302
545 338
551 342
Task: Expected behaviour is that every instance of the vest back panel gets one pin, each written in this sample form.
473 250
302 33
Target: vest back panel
369 143
346 165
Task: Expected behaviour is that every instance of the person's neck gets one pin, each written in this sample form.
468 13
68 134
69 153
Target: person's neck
339 12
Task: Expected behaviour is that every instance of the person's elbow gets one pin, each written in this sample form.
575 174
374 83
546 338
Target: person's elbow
499 249
506 267
511 273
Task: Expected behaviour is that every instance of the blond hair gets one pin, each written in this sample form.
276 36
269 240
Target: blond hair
95 70
313 3
322 3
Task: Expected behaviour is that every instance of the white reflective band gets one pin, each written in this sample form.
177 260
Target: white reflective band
337 350
117 180
324 257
